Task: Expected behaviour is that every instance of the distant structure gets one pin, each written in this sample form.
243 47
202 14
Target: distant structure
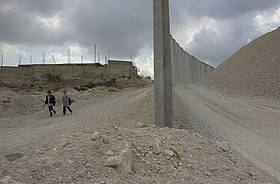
114 70
82 59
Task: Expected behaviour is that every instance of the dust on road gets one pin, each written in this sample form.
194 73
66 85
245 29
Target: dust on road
251 125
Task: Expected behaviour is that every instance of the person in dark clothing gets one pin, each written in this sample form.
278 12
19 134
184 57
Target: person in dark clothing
66 102
50 101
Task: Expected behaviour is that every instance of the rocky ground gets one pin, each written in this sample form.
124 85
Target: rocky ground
100 144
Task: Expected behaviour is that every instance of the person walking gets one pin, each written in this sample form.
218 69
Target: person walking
50 101
66 102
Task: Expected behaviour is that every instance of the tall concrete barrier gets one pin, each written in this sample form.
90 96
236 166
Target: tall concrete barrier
186 69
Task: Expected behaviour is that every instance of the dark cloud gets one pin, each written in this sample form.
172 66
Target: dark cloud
126 25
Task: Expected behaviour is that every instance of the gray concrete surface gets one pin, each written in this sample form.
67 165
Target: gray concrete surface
186 68
162 64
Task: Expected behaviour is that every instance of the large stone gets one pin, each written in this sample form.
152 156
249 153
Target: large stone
95 136
113 162
140 125
126 158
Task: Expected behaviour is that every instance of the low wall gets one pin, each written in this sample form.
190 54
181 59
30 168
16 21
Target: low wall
186 69
91 72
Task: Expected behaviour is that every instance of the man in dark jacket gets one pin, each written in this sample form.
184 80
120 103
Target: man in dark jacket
50 101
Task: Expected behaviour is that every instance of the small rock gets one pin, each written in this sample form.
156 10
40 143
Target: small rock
223 146
105 140
8 180
109 153
169 153
95 136
207 173
126 158
251 174
113 162
140 125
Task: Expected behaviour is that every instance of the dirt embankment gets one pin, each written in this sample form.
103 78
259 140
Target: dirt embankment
252 71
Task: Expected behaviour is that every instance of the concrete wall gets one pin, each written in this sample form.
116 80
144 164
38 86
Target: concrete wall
186 69
91 72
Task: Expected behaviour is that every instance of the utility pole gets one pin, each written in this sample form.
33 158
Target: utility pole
162 64
95 47
19 59
98 54
2 62
53 59
30 60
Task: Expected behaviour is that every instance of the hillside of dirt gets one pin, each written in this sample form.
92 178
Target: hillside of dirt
252 71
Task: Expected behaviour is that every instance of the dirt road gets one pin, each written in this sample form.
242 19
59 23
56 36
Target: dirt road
252 126
20 131
75 148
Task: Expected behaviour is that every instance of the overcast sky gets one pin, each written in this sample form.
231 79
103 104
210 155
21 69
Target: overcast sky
211 30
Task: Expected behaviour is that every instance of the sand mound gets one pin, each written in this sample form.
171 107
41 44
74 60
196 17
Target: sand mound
252 71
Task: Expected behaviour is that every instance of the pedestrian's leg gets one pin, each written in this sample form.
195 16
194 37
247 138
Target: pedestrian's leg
50 110
69 109
64 110
53 110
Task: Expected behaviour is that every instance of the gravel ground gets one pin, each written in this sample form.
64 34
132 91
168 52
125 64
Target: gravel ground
251 125
99 144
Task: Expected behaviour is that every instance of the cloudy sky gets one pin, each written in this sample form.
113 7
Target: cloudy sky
211 30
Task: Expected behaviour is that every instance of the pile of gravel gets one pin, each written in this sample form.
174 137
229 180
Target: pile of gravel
252 71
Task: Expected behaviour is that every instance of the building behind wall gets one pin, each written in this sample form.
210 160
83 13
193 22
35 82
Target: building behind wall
91 72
